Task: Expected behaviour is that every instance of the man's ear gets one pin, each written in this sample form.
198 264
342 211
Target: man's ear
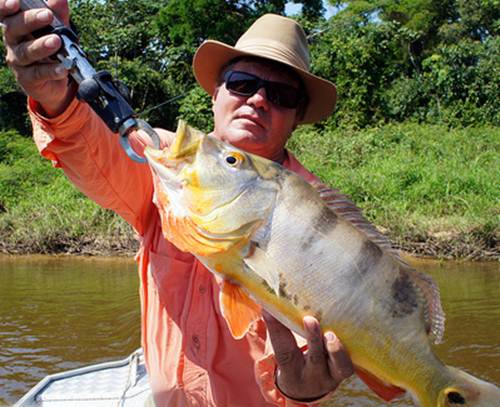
214 96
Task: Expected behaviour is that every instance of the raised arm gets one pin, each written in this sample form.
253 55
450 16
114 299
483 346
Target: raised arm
66 130
90 155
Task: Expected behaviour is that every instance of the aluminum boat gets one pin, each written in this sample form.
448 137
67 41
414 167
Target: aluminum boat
122 383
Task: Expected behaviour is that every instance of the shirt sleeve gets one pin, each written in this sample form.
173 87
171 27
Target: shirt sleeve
265 373
78 142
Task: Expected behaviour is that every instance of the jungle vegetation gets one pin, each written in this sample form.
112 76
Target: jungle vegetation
414 139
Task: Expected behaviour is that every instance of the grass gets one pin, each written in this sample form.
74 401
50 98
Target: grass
431 189
419 183
41 212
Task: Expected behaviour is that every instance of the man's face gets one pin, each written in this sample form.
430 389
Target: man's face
253 123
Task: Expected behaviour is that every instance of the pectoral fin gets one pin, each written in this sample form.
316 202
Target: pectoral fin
238 309
264 267
385 391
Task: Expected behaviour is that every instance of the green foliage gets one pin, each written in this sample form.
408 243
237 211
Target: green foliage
434 21
188 23
40 211
420 60
411 178
425 60
20 168
122 37
361 60
196 110
122 28
13 112
464 79
455 86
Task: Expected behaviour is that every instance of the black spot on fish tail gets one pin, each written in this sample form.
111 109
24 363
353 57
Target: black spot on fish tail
368 257
404 296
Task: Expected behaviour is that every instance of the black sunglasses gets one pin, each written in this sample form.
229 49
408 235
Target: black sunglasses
280 94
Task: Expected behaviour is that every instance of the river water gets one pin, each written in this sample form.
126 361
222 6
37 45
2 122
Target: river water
60 313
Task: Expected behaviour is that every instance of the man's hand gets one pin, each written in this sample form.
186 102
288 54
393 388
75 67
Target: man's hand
44 79
310 376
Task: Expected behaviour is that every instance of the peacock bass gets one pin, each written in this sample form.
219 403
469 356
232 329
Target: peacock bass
297 249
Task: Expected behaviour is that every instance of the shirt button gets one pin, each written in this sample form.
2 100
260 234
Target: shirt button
202 289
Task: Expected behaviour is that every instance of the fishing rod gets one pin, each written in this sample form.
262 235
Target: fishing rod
106 96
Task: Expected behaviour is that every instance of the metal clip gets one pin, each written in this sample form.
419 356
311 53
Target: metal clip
139 125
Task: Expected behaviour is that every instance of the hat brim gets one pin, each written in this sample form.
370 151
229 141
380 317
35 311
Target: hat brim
212 55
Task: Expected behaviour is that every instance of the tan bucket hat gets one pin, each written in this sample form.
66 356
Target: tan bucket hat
273 37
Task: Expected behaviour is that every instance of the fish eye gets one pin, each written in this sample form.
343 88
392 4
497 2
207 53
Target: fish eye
455 398
234 159
231 159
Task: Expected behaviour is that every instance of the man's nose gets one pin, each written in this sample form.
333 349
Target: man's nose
259 99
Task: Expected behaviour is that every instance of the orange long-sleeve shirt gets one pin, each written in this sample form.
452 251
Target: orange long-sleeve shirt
191 357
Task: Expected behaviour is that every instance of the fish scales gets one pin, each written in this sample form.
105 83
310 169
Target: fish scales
299 250
297 267
342 254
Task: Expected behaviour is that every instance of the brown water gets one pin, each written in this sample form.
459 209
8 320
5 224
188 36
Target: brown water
61 313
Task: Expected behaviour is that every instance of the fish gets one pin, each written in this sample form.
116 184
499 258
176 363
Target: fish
294 249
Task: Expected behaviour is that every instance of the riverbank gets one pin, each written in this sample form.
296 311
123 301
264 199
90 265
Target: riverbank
433 191
125 243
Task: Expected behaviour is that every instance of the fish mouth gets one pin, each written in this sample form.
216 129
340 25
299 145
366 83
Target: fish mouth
167 170
169 162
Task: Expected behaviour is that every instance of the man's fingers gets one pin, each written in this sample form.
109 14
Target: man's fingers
29 52
339 362
166 137
8 7
41 73
316 353
20 25
60 7
285 347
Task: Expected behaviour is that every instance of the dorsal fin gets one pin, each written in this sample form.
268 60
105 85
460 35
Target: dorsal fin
344 207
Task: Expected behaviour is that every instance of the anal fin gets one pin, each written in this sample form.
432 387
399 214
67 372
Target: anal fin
382 389
238 309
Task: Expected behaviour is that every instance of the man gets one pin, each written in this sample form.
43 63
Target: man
261 90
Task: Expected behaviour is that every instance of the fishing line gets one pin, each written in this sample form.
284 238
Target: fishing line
173 99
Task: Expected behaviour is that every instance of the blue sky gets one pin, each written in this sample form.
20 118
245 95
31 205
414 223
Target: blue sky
291 9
